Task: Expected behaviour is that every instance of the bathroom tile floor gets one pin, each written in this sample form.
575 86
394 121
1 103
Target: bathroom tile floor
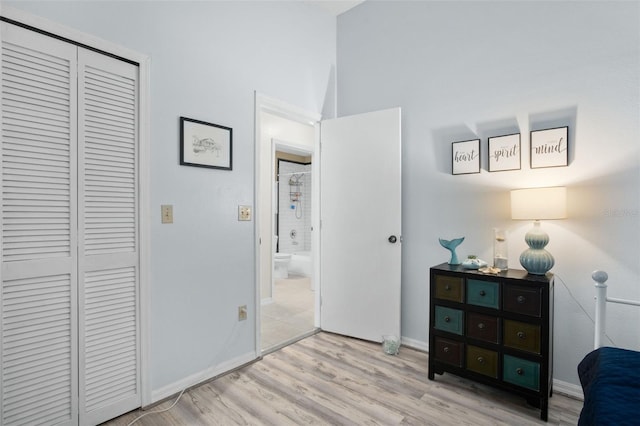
291 313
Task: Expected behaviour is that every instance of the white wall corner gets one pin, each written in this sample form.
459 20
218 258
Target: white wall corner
415 344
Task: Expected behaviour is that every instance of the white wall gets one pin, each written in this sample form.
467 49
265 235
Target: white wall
207 59
462 70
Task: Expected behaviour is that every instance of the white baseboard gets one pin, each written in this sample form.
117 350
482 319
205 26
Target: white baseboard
415 344
194 379
568 389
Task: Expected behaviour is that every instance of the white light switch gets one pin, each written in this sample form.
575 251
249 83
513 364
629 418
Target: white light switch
167 213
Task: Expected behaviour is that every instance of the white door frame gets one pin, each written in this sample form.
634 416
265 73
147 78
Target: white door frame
144 194
271 105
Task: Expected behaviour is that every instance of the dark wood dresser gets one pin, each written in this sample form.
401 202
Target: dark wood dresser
494 329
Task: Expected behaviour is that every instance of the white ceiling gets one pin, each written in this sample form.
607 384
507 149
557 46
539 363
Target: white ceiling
335 7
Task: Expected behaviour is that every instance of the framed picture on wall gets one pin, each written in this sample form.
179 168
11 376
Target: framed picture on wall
504 153
205 144
465 157
550 147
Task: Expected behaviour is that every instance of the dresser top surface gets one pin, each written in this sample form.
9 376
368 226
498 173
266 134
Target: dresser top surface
514 274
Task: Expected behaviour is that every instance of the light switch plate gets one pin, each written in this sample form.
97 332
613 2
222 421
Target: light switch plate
167 213
244 213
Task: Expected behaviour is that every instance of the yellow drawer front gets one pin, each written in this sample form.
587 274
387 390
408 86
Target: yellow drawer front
523 336
449 288
482 361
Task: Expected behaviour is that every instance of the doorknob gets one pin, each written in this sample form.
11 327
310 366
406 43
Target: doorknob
393 239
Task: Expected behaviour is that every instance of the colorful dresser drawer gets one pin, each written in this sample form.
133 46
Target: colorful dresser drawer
448 319
521 372
483 361
521 335
482 327
522 300
449 351
483 293
449 288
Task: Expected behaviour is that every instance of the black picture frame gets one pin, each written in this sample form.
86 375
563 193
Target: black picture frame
505 153
465 157
204 144
549 147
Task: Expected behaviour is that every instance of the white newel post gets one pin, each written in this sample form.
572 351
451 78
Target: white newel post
600 277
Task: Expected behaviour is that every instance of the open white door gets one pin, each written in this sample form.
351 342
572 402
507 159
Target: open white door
361 225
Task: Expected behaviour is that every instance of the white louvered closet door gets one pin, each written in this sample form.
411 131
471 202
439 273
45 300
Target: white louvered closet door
69 303
39 228
108 237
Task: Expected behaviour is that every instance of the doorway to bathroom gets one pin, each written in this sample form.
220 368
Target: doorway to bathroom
290 313
286 215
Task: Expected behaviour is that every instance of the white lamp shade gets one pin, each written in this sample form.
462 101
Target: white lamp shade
539 203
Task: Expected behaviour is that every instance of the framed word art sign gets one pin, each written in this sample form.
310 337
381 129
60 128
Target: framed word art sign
504 153
465 157
550 147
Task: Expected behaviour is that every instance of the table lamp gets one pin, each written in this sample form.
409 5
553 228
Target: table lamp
536 204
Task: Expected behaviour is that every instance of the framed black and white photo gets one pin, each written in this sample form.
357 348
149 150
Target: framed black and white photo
205 144
504 153
550 147
465 157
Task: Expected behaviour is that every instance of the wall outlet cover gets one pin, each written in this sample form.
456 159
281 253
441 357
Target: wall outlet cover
244 213
167 213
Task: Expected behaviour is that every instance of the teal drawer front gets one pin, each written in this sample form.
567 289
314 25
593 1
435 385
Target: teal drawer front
521 372
482 293
450 320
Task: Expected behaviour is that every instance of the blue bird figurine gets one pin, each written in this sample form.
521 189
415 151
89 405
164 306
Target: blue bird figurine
451 246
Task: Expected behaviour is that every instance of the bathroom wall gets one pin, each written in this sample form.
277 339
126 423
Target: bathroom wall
292 215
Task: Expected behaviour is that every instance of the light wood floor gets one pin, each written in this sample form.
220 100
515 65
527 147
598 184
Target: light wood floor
330 379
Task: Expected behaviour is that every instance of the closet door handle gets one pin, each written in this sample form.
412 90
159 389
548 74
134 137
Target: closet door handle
393 239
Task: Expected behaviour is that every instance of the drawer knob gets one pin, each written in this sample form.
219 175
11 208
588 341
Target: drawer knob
447 319
446 349
520 299
521 334
481 325
519 371
481 360
447 287
482 293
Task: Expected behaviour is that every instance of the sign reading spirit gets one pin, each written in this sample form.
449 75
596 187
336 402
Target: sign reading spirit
465 157
549 148
504 153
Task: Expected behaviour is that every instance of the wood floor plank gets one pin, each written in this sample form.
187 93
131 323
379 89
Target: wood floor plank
327 379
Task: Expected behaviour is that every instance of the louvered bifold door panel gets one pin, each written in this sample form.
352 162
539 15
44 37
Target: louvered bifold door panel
39 353
108 237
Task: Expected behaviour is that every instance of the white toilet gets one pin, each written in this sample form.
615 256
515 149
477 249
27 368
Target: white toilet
280 261
281 265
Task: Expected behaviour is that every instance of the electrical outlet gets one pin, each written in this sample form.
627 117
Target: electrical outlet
167 213
244 213
242 313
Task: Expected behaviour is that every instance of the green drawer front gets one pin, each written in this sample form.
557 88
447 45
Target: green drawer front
483 293
521 372
482 361
523 336
449 288
450 320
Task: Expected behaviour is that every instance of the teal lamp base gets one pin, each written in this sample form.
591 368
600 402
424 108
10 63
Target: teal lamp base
536 260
